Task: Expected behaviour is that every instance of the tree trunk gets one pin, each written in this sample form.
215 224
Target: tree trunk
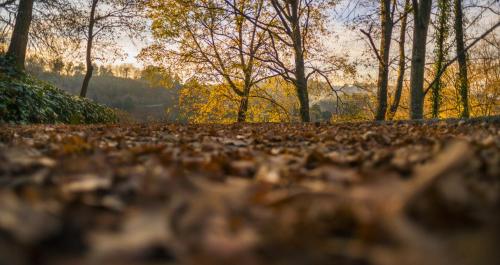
243 109
462 60
301 86
422 11
300 74
90 40
441 35
385 48
19 40
402 63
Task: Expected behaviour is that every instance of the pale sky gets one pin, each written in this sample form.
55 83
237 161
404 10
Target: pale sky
343 40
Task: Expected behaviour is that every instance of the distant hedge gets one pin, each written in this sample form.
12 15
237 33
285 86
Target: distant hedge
25 100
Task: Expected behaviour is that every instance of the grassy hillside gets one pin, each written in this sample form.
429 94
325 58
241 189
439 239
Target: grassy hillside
134 96
25 99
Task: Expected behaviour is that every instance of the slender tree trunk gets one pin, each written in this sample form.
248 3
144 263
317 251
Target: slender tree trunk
462 60
90 41
441 35
385 48
300 69
301 86
422 11
19 40
402 63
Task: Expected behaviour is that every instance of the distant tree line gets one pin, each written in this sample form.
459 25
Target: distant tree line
143 93
67 25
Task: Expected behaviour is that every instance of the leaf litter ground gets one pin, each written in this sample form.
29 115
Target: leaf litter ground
345 194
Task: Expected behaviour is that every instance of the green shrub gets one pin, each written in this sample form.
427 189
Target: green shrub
24 100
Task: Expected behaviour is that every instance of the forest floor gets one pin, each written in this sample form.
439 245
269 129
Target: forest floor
342 194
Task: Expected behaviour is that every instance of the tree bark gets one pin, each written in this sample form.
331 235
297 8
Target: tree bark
402 63
462 60
243 109
90 41
441 35
19 41
385 47
422 11
301 86
300 69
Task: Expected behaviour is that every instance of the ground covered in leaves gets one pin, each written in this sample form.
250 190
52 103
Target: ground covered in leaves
346 194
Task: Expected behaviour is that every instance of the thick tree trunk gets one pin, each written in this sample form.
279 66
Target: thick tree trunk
422 11
462 60
385 48
19 40
402 63
441 35
90 41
